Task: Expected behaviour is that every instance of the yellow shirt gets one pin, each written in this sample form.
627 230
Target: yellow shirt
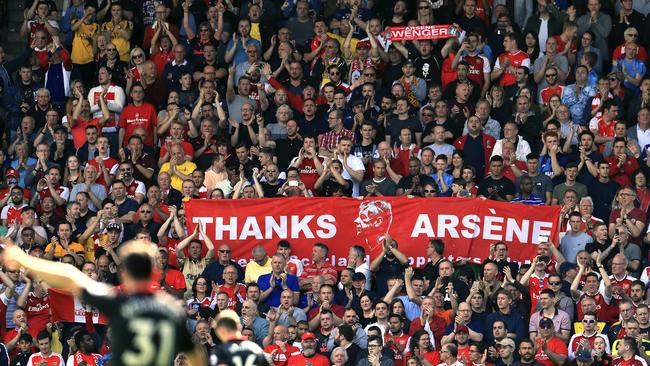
82 45
123 45
254 270
186 169
255 32
59 251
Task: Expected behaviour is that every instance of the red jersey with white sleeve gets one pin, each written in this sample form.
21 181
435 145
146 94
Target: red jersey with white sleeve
603 307
478 67
625 283
54 359
236 294
110 164
519 58
135 187
64 192
78 358
12 213
399 343
546 93
635 361
294 267
280 357
577 338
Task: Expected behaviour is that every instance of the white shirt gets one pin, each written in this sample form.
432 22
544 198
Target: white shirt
643 137
355 164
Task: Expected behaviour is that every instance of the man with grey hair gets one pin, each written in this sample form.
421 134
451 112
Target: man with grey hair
261 264
357 262
251 319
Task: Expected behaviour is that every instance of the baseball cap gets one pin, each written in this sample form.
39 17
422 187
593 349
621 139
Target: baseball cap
308 335
358 276
583 355
545 322
462 329
12 173
507 342
114 226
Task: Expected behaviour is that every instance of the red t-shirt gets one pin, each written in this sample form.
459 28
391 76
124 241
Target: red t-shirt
79 131
555 345
233 298
109 163
519 58
308 173
281 358
398 347
133 117
315 360
548 92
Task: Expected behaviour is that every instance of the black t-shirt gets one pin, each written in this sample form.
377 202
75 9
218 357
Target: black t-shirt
504 187
237 352
395 126
151 330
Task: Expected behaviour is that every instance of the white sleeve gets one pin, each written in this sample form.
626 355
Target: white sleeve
94 107
571 354
30 361
526 62
644 275
497 64
65 194
4 213
486 64
141 189
593 124
114 168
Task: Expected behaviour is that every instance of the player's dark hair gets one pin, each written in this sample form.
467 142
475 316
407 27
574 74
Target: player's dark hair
138 266
43 334
78 337
227 323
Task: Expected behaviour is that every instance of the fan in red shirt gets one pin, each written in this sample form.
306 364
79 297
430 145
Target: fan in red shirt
236 291
551 350
81 118
553 87
308 163
37 306
138 114
627 349
45 356
395 339
309 355
621 165
509 61
104 164
171 280
280 350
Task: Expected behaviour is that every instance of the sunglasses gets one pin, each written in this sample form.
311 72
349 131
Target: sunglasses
111 49
554 283
369 74
550 75
145 211
335 73
224 251
429 191
546 326
138 56
589 321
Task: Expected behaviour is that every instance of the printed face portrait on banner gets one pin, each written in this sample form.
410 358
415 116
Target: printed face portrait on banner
373 223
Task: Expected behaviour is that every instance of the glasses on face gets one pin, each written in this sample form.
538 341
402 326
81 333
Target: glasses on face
554 283
423 8
373 345
111 49
588 321
429 191
633 35
546 326
204 29
369 74
551 75
224 250
612 79
138 56
335 73
145 211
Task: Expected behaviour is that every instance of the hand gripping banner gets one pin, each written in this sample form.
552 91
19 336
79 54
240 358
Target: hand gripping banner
439 31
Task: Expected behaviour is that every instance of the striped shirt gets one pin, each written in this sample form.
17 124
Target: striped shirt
532 200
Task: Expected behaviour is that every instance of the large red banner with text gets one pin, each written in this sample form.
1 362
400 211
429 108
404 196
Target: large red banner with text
467 226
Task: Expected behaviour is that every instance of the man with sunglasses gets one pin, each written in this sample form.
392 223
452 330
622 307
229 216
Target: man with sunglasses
586 338
551 349
214 271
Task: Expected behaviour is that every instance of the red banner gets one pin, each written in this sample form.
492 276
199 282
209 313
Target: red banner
440 31
467 226
67 308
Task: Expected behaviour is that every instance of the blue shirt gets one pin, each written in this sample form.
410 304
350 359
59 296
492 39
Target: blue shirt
577 104
274 299
448 179
240 52
633 68
514 322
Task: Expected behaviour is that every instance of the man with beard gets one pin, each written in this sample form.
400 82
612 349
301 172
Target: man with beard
350 318
395 339
526 354
309 355
85 345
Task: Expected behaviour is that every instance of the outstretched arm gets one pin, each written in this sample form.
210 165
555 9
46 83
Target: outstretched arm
55 274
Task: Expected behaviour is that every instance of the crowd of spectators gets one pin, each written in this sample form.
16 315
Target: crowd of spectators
117 113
